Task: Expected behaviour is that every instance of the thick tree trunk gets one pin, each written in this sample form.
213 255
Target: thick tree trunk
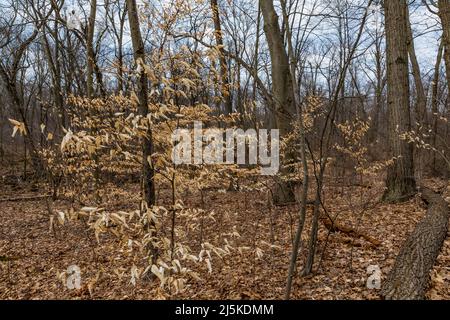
281 79
409 278
400 180
283 94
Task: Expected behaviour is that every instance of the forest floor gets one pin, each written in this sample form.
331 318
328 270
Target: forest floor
36 255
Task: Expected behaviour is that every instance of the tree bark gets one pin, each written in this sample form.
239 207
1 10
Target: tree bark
444 14
379 88
148 173
283 95
421 102
90 49
226 88
281 80
142 83
435 100
400 180
409 278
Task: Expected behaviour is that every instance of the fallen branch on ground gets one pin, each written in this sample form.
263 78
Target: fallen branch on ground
334 226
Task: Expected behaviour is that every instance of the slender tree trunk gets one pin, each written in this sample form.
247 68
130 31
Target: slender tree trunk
99 77
148 174
147 144
435 100
400 180
120 54
380 84
226 88
302 153
69 76
444 14
90 49
421 103
421 99
58 89
55 68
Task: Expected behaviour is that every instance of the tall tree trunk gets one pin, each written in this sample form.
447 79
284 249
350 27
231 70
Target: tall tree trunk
302 154
281 80
58 89
90 49
444 14
435 100
120 54
421 103
55 68
283 94
148 173
147 144
400 180
226 88
420 109
379 87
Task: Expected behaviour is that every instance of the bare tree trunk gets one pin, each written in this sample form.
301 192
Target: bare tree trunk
55 68
147 145
120 52
281 80
90 49
421 103
148 173
379 87
400 180
435 100
421 99
99 77
302 153
283 94
444 14
226 88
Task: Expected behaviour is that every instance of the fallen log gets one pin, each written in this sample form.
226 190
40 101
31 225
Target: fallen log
410 276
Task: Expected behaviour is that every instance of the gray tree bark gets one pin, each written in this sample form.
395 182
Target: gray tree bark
444 14
283 94
409 278
400 182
